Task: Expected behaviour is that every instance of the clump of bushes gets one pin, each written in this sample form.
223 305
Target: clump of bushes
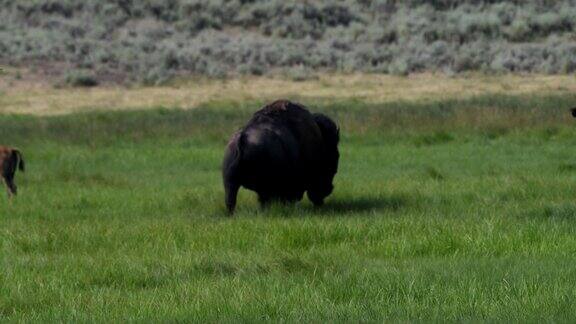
151 41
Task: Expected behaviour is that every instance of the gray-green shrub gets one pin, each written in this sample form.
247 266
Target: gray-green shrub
152 40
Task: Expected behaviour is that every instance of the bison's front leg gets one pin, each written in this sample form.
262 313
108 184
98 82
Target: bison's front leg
315 199
264 200
319 192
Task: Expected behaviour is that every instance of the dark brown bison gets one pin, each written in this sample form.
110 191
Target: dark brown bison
573 110
10 160
282 152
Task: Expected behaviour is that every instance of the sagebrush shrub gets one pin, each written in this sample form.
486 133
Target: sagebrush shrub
152 40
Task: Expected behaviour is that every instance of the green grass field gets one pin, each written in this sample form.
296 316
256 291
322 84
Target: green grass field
448 209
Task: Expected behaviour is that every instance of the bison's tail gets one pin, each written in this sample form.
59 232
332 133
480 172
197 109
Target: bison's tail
234 154
19 159
231 170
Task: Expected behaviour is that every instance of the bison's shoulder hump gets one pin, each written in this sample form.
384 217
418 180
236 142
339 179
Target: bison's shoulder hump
283 108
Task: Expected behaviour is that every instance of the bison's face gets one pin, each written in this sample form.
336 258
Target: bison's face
573 110
324 185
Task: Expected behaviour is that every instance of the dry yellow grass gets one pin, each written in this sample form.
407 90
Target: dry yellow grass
34 97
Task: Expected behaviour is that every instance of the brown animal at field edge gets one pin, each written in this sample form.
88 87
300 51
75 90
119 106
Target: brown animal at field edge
10 160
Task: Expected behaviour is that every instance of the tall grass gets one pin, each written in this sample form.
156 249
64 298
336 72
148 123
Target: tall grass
215 121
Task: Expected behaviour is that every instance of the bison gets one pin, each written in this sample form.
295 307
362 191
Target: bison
10 160
282 152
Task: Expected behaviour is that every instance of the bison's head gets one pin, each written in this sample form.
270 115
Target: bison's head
329 162
573 110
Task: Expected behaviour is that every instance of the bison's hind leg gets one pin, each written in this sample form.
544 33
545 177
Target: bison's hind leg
231 192
12 189
10 186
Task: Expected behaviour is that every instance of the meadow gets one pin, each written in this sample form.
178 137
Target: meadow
445 209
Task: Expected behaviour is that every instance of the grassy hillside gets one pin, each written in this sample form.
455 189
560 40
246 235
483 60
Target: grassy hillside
84 42
443 210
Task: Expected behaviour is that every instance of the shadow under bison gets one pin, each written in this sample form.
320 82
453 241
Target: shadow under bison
282 152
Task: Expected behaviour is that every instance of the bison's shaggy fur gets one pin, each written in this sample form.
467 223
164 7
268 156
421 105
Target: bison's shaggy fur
282 152
10 160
